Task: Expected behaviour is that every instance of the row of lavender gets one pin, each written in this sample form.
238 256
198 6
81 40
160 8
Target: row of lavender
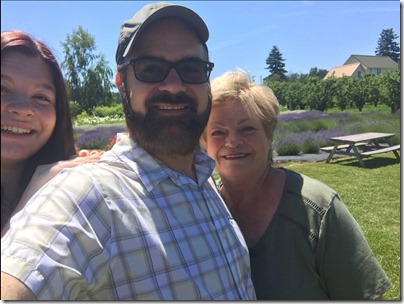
297 132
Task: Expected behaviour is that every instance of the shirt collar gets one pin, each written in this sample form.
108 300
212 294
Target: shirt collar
152 171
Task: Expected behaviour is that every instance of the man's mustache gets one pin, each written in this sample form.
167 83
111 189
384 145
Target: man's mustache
168 98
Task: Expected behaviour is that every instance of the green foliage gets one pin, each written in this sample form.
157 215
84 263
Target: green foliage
366 91
104 111
372 122
296 126
343 89
323 124
320 73
75 108
279 88
310 147
289 148
395 140
293 136
372 195
390 89
83 115
276 65
295 96
314 93
321 93
88 75
314 124
84 119
387 46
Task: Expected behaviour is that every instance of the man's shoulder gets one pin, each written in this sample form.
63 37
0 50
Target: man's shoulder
95 173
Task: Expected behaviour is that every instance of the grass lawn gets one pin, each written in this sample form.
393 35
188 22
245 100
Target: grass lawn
372 195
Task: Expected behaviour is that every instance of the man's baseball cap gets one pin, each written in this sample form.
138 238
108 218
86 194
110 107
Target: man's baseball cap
131 28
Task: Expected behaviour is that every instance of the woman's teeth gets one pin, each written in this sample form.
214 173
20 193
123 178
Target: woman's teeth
15 130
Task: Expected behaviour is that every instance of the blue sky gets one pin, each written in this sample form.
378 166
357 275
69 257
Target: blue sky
320 34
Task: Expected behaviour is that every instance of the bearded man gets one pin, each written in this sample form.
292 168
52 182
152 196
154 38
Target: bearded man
146 222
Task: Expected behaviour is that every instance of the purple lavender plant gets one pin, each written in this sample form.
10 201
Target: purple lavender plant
97 138
302 115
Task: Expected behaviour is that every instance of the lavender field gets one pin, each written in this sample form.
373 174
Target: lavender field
297 132
97 136
308 131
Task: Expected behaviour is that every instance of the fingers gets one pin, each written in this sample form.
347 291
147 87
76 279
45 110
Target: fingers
85 152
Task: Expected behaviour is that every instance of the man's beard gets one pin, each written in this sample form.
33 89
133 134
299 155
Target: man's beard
177 135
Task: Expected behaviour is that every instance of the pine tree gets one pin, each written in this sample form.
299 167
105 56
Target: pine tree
386 46
276 65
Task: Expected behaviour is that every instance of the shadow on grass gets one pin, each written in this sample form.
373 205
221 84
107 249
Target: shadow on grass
370 163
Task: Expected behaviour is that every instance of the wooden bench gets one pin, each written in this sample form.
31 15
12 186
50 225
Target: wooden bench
329 148
383 150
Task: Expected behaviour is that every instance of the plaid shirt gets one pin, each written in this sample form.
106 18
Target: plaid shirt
128 228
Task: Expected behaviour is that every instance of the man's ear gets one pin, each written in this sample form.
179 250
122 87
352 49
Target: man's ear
118 80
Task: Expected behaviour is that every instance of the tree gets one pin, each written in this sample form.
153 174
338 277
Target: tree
279 88
276 65
390 89
386 46
364 91
294 95
88 75
297 77
318 72
344 87
320 93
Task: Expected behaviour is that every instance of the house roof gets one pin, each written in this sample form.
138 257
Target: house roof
373 61
343 70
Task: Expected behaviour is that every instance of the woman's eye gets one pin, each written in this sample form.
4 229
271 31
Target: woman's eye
249 129
216 133
3 89
43 98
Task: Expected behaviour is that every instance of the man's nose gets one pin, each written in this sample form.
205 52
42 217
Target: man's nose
173 82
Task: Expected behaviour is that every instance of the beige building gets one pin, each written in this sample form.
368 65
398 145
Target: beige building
358 65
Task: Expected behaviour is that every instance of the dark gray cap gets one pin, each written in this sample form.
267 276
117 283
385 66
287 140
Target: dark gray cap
131 28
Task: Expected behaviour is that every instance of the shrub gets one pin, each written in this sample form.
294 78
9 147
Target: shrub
93 139
103 111
314 128
95 120
98 138
310 147
289 148
75 108
82 115
323 124
395 140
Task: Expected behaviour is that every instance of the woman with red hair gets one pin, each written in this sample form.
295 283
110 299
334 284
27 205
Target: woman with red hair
36 126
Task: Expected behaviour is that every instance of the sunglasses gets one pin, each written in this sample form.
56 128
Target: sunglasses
152 70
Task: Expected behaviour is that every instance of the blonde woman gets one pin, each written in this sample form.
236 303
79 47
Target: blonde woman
303 242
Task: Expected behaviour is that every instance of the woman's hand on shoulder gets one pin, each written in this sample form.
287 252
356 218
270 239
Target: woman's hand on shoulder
45 173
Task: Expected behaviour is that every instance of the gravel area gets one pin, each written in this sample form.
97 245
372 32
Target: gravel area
322 156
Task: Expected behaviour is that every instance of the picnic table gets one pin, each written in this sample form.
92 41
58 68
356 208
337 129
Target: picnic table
362 145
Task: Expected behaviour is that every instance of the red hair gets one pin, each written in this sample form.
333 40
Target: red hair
60 145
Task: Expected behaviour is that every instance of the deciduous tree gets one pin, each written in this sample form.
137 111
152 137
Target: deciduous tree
318 72
88 75
390 89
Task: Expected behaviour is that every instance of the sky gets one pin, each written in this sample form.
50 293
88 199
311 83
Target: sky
308 34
